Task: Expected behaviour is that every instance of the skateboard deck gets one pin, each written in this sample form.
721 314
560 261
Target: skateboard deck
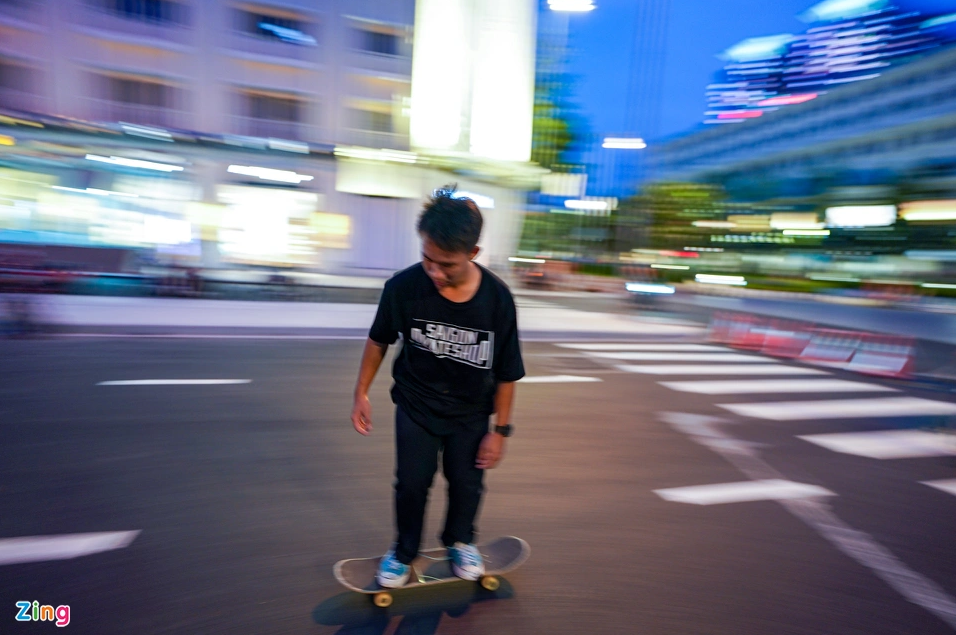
432 567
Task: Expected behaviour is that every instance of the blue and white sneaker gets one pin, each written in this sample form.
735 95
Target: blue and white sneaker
392 574
466 562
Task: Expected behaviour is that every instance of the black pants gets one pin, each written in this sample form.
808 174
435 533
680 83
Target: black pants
417 451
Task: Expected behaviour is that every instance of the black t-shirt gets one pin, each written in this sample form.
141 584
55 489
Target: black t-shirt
453 354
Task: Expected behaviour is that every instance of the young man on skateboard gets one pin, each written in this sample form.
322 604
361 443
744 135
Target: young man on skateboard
457 365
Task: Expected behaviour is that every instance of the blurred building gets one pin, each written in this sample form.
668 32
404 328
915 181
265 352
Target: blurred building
899 127
847 41
294 132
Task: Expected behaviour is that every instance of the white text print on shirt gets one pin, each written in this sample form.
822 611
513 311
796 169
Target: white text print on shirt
468 346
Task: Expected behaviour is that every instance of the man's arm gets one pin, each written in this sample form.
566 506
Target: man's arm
504 402
492 448
372 358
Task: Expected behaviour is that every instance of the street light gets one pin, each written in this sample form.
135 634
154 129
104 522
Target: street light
577 6
623 143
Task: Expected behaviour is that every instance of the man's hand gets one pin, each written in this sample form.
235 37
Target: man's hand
362 415
490 452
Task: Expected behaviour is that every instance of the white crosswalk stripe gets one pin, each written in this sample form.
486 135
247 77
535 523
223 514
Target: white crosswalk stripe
745 375
726 361
62 547
526 303
174 382
946 485
773 386
684 357
739 370
886 444
842 408
719 493
674 348
558 379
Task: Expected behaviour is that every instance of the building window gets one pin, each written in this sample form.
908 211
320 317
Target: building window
137 100
378 42
273 27
154 11
371 120
15 76
273 108
139 92
19 87
271 115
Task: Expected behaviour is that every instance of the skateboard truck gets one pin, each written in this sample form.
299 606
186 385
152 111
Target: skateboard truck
431 567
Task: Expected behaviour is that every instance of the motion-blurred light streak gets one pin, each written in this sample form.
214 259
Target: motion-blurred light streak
135 163
572 6
269 174
624 143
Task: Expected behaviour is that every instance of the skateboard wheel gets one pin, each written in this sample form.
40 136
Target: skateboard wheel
382 599
490 583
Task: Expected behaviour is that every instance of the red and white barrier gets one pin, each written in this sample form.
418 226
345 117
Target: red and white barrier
738 330
870 353
718 331
748 333
884 355
831 347
785 339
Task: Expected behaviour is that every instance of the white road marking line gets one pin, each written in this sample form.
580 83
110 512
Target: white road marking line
174 382
558 379
886 444
604 346
841 408
817 514
719 369
947 485
718 494
686 357
211 336
62 547
538 304
773 386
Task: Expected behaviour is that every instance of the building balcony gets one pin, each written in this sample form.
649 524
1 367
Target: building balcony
114 111
24 101
398 65
247 46
372 139
274 128
102 23
381 91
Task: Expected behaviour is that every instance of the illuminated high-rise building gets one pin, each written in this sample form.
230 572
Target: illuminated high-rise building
848 41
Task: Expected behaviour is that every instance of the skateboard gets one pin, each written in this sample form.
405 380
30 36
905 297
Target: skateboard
432 567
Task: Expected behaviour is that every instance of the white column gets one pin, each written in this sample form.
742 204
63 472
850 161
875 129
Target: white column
502 100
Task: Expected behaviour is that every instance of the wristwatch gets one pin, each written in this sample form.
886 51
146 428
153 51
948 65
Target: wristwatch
504 431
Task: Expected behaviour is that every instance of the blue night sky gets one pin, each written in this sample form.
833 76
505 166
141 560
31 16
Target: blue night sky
697 31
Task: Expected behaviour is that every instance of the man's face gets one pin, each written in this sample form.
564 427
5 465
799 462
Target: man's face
445 268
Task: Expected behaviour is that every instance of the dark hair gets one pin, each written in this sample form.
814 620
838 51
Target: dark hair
453 223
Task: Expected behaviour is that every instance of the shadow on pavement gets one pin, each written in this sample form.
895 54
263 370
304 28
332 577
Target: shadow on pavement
420 609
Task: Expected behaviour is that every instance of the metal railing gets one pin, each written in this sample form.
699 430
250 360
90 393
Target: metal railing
292 130
373 139
256 45
23 101
165 117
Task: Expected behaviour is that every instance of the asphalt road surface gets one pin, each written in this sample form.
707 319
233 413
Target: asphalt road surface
673 490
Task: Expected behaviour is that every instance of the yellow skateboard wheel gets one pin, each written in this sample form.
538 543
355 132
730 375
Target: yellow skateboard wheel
382 599
490 583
